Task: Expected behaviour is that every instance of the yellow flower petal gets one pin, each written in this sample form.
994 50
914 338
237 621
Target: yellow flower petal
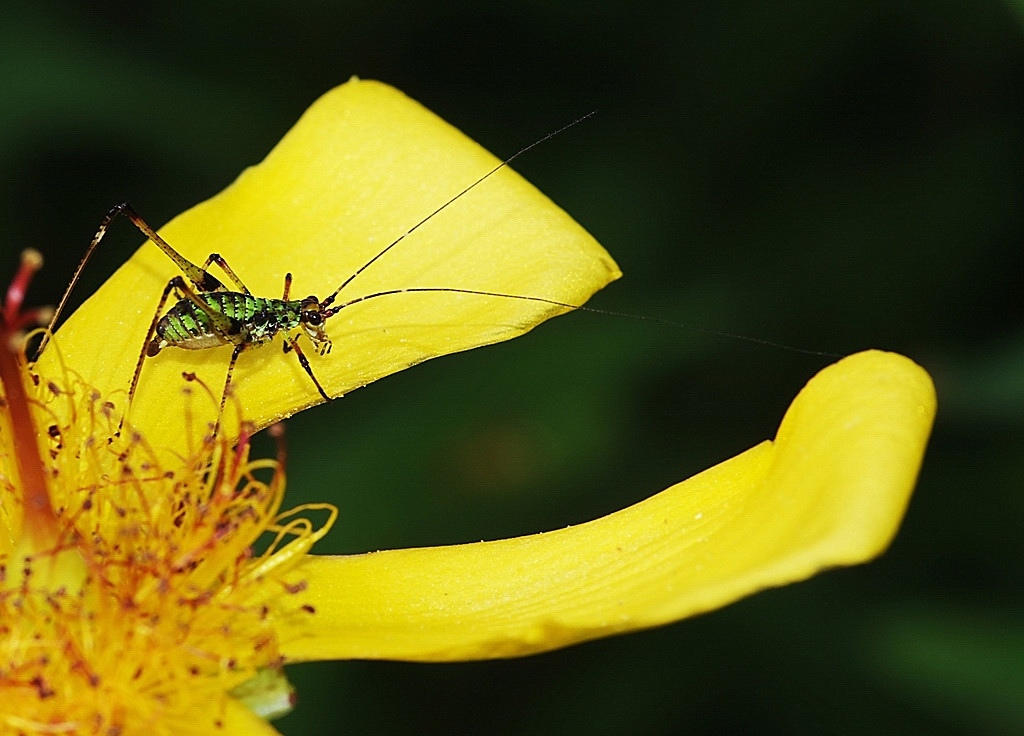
239 720
830 490
362 167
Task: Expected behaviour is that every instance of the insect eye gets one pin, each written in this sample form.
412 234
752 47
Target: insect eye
312 318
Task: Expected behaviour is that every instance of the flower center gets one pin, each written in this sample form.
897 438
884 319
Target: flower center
131 598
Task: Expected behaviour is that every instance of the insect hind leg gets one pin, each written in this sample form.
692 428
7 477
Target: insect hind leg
172 285
200 277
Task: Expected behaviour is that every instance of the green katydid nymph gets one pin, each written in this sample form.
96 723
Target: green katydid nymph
210 314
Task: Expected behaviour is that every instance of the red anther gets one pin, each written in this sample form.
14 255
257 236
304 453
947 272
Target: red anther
276 430
14 318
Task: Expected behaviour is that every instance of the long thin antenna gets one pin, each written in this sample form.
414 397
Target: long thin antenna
330 300
576 307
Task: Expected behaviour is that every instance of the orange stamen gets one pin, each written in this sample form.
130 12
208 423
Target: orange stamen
40 522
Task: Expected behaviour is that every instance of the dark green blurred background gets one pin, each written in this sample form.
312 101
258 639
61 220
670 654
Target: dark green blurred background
831 175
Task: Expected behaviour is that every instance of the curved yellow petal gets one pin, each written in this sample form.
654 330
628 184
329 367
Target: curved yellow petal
236 720
362 167
830 490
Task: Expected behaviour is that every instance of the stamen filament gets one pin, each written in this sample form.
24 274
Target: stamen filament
39 521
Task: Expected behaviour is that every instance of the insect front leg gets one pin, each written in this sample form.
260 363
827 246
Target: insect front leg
290 343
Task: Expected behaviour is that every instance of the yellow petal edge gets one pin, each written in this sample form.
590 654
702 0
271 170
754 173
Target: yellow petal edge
830 490
361 167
